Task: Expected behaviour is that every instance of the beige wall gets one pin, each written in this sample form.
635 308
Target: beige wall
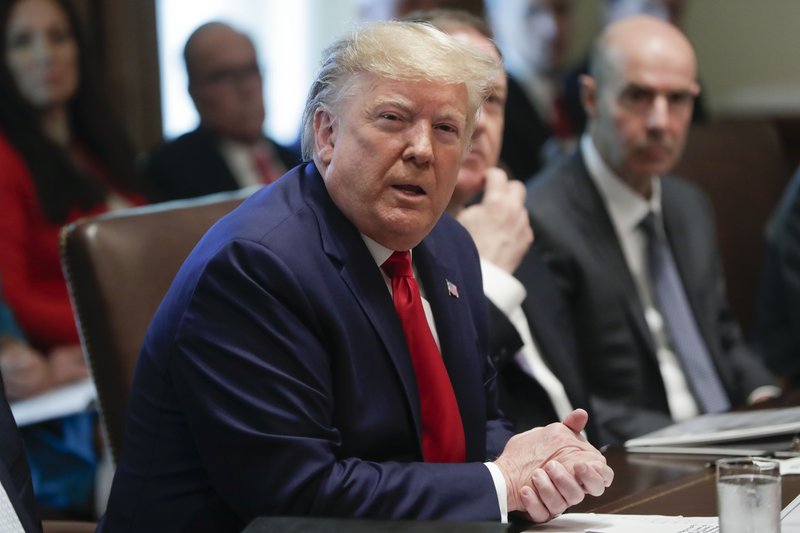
748 52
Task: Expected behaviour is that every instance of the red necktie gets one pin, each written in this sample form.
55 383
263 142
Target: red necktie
442 430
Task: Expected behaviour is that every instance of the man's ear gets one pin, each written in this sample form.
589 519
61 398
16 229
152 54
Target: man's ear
588 94
325 128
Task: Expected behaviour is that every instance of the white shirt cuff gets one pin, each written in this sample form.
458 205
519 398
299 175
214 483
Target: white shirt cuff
504 290
763 392
500 487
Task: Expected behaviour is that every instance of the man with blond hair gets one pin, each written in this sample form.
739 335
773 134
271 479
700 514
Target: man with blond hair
322 352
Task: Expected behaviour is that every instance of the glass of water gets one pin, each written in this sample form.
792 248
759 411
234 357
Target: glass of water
749 495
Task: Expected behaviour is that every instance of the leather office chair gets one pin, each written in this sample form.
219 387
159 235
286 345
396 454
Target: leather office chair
118 267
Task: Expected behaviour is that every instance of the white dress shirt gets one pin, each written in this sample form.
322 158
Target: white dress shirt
507 294
380 254
627 209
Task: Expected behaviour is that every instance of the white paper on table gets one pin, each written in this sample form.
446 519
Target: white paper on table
790 466
67 400
618 523
790 516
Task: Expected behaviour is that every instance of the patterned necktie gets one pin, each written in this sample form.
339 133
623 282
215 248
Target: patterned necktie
682 328
442 430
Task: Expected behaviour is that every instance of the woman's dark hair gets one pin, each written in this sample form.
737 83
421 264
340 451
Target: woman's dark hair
61 184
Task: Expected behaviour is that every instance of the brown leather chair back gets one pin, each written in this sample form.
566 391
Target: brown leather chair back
118 267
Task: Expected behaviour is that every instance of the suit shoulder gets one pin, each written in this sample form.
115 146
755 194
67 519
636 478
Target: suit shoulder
192 142
548 191
686 193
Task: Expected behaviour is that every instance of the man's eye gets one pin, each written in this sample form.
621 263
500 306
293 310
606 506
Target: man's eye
390 116
680 99
447 128
639 95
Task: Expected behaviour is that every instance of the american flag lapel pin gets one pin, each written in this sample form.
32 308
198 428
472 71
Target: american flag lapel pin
452 290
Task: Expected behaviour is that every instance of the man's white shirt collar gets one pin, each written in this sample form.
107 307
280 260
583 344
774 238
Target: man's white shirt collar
626 207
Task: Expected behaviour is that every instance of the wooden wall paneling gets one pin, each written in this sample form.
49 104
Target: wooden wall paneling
125 33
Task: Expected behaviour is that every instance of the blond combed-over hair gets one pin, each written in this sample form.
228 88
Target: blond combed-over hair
396 50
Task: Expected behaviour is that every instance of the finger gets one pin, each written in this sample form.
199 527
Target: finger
516 190
590 479
533 505
567 485
496 181
576 420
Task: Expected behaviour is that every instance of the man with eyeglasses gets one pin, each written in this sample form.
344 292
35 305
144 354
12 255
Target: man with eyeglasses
229 149
634 249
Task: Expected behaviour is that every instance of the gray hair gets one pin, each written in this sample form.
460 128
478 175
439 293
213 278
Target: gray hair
397 50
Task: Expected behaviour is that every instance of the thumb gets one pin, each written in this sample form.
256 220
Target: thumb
496 180
576 420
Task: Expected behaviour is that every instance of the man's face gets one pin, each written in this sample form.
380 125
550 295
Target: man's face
390 153
227 85
640 114
487 139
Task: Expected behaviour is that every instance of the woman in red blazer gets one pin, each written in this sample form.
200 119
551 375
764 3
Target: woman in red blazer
61 158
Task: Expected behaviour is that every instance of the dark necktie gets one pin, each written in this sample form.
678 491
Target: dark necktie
671 300
442 430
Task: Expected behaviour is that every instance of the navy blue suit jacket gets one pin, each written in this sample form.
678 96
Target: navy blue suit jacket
275 378
15 477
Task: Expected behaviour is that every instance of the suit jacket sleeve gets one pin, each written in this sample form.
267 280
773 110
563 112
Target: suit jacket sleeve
278 412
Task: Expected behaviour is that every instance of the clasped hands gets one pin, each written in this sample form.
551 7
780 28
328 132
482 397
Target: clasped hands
551 468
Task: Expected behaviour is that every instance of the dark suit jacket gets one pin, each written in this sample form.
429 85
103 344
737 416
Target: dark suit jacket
192 165
522 398
15 477
524 134
778 333
580 245
275 378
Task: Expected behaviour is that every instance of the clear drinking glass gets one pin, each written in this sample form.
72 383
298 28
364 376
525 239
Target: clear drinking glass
749 495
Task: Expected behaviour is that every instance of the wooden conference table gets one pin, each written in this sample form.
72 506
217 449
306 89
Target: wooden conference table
643 484
672 484
664 484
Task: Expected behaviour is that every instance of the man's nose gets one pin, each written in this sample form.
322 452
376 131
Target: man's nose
420 143
658 115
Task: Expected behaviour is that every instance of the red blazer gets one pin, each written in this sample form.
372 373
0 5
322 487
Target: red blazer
30 268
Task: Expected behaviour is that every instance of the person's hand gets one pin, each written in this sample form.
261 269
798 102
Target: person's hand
500 225
25 371
67 364
551 468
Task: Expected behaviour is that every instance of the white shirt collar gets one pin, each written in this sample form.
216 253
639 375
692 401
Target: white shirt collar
626 207
379 252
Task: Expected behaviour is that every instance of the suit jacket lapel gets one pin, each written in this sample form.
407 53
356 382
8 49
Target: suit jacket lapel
342 242
602 239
